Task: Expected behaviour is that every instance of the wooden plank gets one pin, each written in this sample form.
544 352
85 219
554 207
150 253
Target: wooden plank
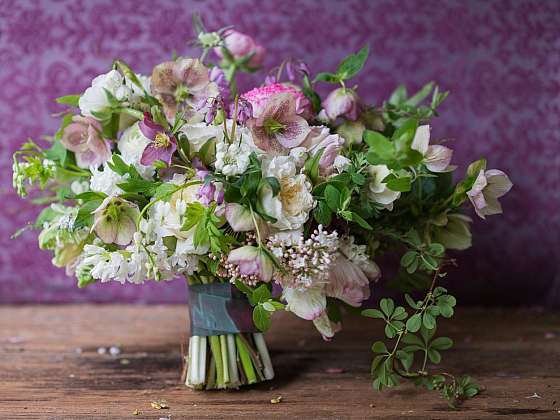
50 368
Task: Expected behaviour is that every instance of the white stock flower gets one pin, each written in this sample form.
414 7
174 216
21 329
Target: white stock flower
94 99
131 146
291 206
106 181
378 190
232 159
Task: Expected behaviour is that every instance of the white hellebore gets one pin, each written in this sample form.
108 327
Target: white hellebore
378 190
436 157
291 206
94 99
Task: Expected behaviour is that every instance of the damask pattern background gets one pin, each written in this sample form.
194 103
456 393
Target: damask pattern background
500 60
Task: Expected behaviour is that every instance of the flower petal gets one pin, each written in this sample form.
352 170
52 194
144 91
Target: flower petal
421 139
307 304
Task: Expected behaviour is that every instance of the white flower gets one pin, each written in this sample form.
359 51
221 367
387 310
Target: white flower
358 255
136 93
436 157
341 163
79 187
291 206
198 134
106 181
131 146
232 159
378 190
299 154
94 99
307 303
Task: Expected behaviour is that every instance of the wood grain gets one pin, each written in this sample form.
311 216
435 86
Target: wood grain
50 368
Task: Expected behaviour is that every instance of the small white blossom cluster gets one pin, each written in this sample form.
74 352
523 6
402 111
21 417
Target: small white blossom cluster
307 261
232 159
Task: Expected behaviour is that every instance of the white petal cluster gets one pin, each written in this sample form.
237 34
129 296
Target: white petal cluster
232 159
106 181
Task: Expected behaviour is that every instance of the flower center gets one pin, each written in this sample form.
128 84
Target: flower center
272 127
162 140
181 93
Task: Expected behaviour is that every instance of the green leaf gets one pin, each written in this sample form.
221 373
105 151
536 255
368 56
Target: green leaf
261 318
261 294
387 306
379 347
475 167
311 168
400 184
428 320
71 100
359 220
412 339
408 258
434 356
352 64
414 322
398 96
420 95
411 301
406 359
57 153
399 314
327 77
332 197
442 343
322 213
379 144
390 331
274 185
373 313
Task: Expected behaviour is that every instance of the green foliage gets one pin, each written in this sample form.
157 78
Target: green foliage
71 100
263 304
400 106
207 228
412 343
347 68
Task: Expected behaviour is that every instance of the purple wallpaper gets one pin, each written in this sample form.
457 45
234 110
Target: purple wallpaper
500 59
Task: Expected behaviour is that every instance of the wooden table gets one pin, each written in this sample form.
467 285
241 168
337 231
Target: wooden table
50 367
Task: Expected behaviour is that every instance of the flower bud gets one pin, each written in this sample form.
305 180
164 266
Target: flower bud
342 102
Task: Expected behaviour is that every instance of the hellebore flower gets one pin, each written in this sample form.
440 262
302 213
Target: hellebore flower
347 282
83 137
488 187
279 128
378 190
162 144
342 102
453 231
181 86
115 221
437 157
252 261
321 139
326 327
307 303
240 45
259 97
239 217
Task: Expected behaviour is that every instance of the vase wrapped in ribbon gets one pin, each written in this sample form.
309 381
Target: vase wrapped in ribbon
268 200
225 348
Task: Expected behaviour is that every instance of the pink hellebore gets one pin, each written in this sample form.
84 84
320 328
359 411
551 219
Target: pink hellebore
252 261
83 137
488 187
329 145
342 102
162 145
437 157
182 85
259 97
240 45
348 282
279 128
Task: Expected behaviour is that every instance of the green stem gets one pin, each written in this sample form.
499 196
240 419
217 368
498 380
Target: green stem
217 353
245 360
225 363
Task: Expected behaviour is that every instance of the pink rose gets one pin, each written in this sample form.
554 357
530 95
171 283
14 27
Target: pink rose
240 45
83 137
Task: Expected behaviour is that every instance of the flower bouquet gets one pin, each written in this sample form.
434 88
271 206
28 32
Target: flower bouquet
266 200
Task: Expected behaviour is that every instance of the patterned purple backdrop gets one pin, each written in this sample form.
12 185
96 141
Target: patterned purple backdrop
500 60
